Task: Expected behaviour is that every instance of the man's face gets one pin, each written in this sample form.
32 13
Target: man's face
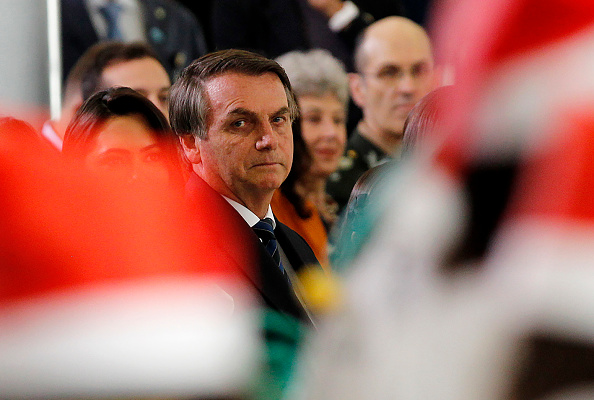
397 73
248 150
145 75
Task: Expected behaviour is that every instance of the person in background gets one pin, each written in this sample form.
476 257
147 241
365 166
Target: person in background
277 27
321 85
292 208
119 135
105 65
395 69
423 128
167 27
132 65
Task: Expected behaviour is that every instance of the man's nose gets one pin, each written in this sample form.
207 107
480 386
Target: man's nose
407 83
268 138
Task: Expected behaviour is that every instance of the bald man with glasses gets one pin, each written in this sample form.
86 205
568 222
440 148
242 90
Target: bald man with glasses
395 69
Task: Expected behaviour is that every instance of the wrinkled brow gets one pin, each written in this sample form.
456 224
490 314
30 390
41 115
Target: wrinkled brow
248 113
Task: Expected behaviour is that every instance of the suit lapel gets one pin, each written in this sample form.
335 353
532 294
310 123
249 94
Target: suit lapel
296 249
269 280
206 204
83 28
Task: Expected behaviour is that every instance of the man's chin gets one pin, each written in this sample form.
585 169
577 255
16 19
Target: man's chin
396 132
268 184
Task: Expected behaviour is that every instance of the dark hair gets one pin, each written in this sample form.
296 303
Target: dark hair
425 116
115 102
102 55
189 103
301 163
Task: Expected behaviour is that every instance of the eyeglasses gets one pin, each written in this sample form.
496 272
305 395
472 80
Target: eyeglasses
393 73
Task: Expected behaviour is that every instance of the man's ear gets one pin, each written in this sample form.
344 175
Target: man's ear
357 91
191 150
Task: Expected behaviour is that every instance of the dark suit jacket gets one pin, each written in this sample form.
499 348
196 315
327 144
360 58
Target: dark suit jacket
274 27
265 276
171 30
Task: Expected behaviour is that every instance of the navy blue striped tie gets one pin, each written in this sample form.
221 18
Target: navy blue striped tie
265 232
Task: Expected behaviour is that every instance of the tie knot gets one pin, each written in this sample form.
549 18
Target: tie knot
264 229
265 232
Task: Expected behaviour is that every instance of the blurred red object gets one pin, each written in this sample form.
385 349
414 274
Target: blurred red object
60 229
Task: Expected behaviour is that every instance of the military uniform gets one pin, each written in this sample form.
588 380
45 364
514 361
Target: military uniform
360 156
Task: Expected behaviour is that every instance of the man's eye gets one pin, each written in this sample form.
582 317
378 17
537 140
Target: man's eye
239 124
278 120
420 70
339 120
389 73
313 119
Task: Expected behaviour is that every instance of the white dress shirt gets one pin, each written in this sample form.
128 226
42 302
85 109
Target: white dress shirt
249 217
344 16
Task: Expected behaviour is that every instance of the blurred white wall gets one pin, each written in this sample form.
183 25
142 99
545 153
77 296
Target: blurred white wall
24 67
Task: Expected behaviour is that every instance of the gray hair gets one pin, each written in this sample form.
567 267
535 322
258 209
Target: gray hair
189 105
316 73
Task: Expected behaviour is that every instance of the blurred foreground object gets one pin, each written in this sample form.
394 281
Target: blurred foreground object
476 280
101 293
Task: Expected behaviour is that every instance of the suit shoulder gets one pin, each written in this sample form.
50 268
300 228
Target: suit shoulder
172 10
291 234
295 246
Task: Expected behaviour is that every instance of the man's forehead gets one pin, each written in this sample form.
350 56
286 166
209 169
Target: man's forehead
238 80
399 62
233 90
143 73
381 53
398 47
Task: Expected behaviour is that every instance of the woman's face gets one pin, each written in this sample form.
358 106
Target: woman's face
127 151
323 126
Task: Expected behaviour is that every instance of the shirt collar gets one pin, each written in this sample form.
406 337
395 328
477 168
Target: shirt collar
249 217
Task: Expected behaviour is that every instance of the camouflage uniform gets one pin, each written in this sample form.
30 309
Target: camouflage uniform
360 155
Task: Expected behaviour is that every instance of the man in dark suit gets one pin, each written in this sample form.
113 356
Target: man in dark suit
170 29
233 111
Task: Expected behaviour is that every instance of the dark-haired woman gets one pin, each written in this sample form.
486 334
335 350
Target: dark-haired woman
119 135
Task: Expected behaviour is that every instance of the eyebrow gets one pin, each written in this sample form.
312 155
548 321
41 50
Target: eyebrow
126 151
151 147
421 62
114 151
400 66
242 111
282 110
245 112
